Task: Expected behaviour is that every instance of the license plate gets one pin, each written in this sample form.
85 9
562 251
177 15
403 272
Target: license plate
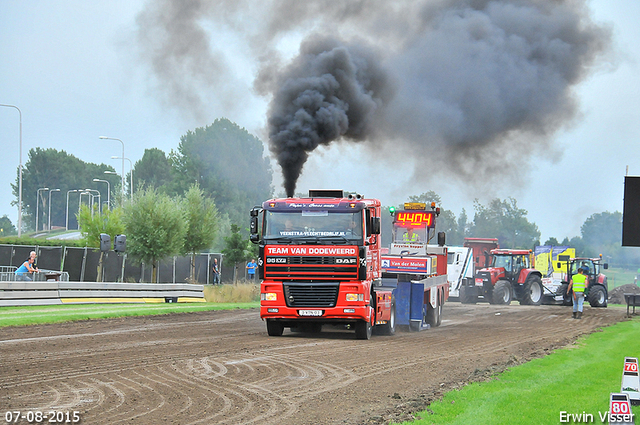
310 312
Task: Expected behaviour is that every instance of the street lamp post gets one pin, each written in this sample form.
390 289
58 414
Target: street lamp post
113 138
66 226
130 174
20 168
92 196
38 203
108 191
49 215
82 192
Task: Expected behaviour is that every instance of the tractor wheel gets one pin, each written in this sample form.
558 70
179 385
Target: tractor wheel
363 329
532 291
597 296
468 295
274 328
389 328
502 293
566 298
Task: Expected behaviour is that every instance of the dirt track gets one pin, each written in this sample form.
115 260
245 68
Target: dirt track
221 367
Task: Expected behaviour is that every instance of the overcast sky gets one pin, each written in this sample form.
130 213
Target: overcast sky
79 70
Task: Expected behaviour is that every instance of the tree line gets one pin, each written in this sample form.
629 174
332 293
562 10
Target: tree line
223 159
227 166
601 233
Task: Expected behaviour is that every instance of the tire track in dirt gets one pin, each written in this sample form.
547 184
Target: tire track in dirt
220 367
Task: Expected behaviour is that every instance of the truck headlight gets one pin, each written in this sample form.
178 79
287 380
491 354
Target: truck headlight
268 296
355 297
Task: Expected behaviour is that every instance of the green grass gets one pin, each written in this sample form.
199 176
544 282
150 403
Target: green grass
576 379
19 316
618 277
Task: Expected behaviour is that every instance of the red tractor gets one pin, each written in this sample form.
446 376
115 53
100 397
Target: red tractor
510 276
597 292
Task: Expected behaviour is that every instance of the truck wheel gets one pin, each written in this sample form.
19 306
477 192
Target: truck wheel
440 307
389 328
502 293
363 329
434 315
532 291
274 328
468 295
597 296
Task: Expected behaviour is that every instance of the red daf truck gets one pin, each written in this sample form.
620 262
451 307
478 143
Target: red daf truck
320 263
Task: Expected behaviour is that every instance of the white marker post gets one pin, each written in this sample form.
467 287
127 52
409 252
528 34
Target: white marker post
630 379
620 410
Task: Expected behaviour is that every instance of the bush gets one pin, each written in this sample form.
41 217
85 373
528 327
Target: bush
24 240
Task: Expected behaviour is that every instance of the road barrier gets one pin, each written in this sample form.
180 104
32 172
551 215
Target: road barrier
56 292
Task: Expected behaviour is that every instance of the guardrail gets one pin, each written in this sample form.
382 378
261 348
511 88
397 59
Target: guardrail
57 292
8 274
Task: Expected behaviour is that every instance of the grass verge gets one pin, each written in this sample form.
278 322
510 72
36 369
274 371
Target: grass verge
575 379
32 315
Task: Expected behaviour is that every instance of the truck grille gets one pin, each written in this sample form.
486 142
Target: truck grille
311 268
311 295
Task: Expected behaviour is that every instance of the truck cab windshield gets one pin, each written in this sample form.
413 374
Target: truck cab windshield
326 227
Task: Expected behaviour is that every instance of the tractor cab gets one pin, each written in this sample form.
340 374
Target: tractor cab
509 263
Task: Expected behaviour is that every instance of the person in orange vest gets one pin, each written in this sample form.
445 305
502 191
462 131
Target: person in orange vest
579 283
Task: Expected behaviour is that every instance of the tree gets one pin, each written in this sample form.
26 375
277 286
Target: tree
446 221
6 226
552 241
602 232
229 165
201 217
153 170
505 221
237 249
155 227
55 169
92 224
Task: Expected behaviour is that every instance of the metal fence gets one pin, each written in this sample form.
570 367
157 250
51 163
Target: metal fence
81 265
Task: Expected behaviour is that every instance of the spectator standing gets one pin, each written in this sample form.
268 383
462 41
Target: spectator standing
251 269
216 272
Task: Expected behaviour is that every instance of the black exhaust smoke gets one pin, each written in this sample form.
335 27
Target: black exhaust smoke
475 83
329 92
474 87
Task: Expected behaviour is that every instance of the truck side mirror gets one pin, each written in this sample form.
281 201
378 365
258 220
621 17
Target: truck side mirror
105 242
605 266
253 225
441 238
375 225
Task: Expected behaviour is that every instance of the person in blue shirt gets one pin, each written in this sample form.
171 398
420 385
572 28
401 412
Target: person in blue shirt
26 268
251 269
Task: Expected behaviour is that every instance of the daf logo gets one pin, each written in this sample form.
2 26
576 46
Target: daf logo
346 260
